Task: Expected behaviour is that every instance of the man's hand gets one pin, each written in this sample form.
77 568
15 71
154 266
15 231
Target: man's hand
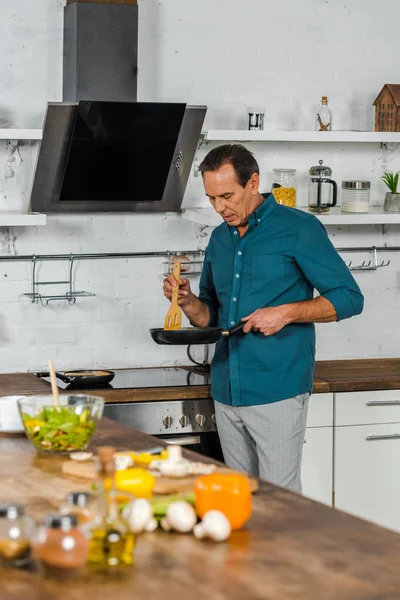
267 320
185 295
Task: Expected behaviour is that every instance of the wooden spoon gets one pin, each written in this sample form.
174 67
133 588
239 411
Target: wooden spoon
54 387
173 318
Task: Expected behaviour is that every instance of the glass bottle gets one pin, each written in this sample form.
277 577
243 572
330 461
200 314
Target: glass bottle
323 119
81 504
59 547
16 531
111 542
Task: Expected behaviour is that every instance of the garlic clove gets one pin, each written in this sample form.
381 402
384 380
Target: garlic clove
81 456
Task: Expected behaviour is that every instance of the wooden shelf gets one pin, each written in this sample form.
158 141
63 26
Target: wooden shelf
376 216
20 134
355 137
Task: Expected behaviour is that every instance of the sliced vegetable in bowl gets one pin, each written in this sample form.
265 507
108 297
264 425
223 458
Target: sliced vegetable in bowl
67 429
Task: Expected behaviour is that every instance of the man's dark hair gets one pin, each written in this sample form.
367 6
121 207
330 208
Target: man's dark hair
241 159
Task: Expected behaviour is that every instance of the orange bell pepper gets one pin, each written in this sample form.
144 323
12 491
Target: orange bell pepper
230 494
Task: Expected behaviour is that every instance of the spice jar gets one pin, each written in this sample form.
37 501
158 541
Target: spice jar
230 494
16 530
355 196
81 504
59 547
284 186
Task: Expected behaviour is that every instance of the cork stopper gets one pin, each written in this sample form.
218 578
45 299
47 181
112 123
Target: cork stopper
105 455
324 99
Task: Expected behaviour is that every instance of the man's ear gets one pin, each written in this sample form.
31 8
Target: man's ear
254 183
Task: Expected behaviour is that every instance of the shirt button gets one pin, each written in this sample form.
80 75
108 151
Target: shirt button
234 299
232 322
258 220
239 253
235 233
237 275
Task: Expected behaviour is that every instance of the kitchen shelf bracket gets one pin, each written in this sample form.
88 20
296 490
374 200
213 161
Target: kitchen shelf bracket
71 295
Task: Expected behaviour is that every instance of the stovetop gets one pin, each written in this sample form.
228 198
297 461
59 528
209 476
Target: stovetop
148 378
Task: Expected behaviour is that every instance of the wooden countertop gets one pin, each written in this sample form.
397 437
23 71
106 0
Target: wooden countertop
329 376
291 548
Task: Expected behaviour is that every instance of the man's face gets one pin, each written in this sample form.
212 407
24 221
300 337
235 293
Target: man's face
229 199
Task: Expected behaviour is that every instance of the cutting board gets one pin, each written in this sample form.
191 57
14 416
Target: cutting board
164 485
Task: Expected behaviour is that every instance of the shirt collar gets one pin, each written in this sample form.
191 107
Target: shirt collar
262 211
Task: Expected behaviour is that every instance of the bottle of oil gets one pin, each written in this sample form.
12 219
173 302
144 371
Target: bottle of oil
111 543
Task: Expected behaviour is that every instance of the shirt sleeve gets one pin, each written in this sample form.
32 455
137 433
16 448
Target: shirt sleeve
207 291
326 271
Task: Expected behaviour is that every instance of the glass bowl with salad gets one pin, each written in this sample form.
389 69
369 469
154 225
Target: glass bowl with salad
64 429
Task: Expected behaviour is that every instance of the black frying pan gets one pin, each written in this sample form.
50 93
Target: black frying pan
192 335
83 379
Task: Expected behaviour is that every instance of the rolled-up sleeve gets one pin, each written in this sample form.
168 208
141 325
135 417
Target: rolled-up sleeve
207 291
326 271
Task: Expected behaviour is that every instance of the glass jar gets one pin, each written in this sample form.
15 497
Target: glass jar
81 504
284 186
59 547
16 531
256 118
230 494
355 196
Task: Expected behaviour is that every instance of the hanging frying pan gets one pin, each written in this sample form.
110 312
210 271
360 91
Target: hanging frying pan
84 379
192 335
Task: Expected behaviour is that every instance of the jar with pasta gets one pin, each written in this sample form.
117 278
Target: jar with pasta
284 186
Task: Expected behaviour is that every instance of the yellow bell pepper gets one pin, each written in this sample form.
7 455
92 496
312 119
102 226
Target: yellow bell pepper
136 481
145 459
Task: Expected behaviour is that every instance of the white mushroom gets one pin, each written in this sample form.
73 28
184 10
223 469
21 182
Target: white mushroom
214 525
180 517
139 515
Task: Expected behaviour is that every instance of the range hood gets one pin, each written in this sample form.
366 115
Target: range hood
101 150
115 156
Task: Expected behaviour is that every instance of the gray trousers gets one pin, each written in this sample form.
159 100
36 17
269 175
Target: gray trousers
265 441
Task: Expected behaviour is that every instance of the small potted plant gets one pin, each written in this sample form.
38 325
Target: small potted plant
392 198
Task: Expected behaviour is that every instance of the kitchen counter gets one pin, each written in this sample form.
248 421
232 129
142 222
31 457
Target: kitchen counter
291 548
329 376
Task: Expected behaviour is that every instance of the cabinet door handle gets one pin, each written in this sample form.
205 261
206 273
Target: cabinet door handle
384 403
390 436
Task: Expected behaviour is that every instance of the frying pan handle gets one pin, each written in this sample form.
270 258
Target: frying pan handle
236 328
60 376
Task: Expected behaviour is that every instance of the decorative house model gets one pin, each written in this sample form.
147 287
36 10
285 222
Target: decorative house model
387 108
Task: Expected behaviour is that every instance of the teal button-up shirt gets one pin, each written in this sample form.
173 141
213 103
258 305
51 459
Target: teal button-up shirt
284 255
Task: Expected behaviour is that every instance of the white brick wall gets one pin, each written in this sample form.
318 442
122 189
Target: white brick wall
281 55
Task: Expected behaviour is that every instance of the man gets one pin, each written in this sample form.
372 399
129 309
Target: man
261 267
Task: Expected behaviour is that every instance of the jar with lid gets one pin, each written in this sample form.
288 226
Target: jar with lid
355 196
284 186
83 505
16 531
59 547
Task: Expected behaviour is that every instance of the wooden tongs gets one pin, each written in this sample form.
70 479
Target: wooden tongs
173 318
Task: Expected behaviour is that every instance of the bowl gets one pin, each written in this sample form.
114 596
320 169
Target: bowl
67 429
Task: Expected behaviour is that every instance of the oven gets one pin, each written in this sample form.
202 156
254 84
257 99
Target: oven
189 423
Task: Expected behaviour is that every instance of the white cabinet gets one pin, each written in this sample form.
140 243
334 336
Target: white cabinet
316 469
367 455
367 473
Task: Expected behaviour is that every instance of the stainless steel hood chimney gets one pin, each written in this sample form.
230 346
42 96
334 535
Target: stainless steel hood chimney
101 150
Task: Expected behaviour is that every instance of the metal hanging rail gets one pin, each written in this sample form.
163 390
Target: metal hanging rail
94 256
